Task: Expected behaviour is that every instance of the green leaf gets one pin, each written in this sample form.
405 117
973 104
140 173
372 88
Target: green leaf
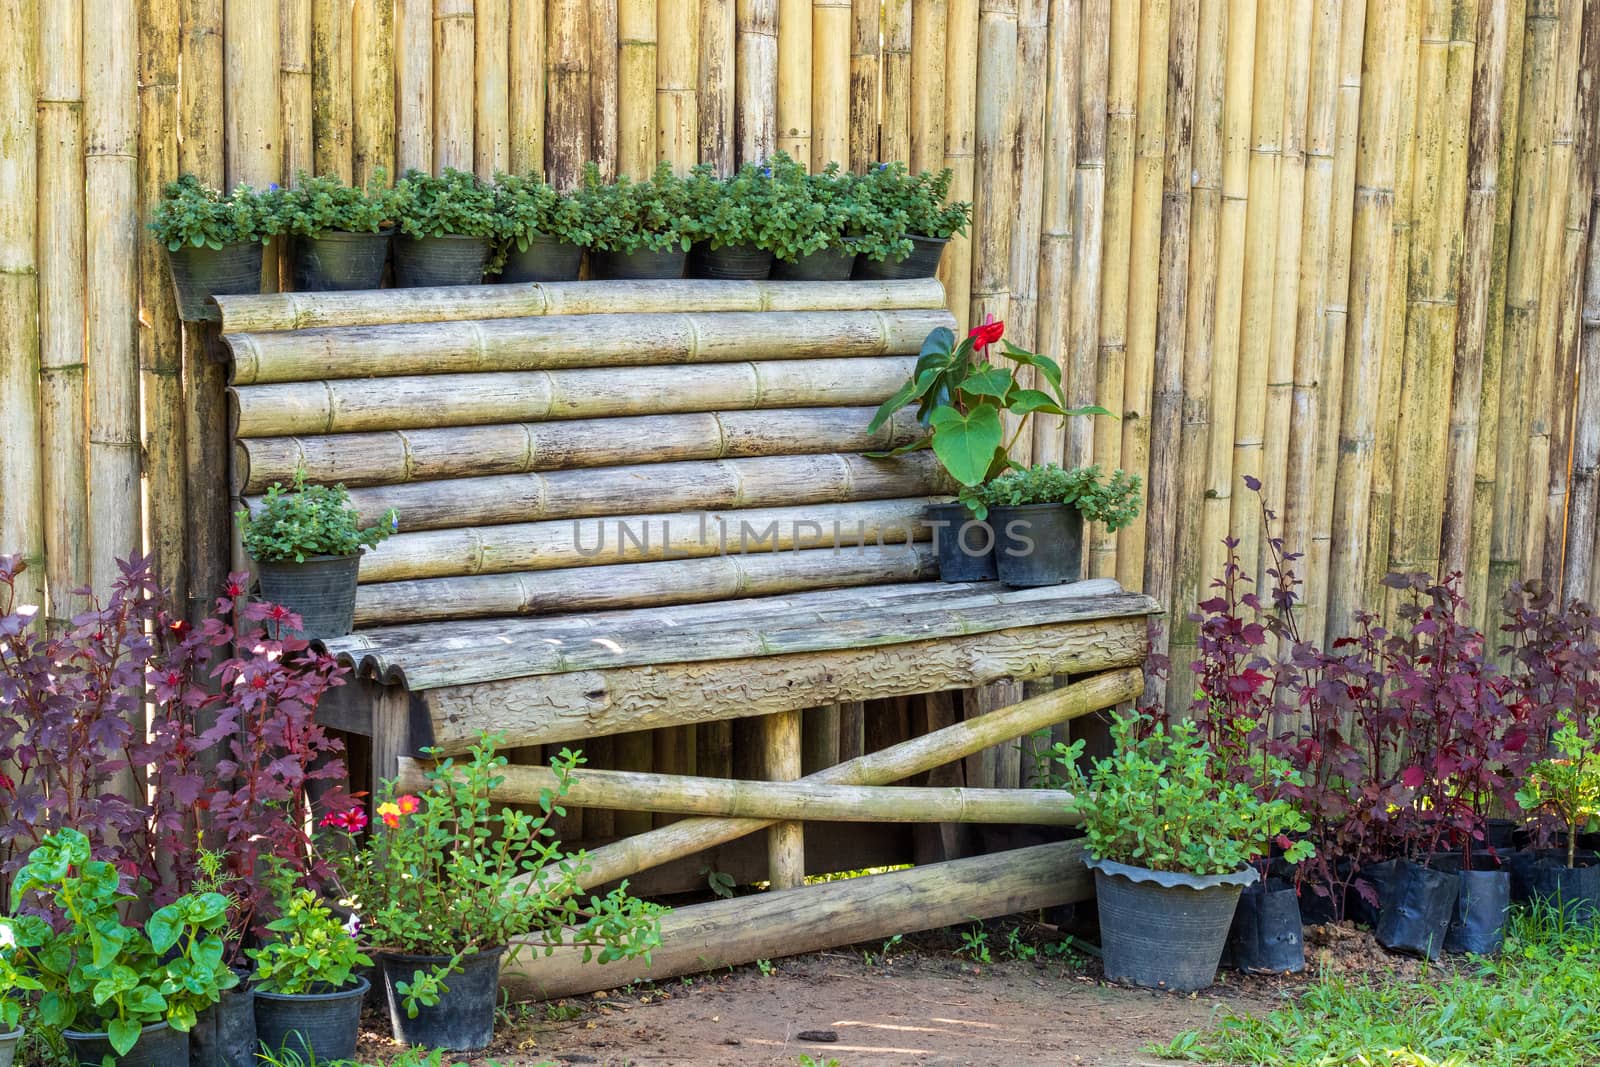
966 444
902 396
164 928
991 381
124 1034
1024 401
1047 366
1089 409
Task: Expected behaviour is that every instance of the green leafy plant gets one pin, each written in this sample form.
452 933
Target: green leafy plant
1164 802
625 216
975 945
309 520
319 204
15 982
192 214
755 207
962 398
894 204
97 973
766 968
1113 501
447 871
1568 787
455 202
526 205
313 952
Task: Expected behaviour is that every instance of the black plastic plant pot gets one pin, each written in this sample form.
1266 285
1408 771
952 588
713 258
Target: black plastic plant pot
463 1020
1417 910
1573 890
964 545
641 264
1478 923
201 273
453 259
320 1025
825 265
1037 544
8 1046
730 262
546 259
1267 936
322 591
224 1035
923 262
1161 929
159 1045
336 261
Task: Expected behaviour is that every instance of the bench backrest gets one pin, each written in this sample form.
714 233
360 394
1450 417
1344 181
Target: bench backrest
594 445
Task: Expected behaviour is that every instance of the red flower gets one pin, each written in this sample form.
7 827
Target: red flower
409 804
987 334
351 822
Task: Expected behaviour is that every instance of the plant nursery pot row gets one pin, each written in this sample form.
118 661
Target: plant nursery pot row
1026 546
1441 905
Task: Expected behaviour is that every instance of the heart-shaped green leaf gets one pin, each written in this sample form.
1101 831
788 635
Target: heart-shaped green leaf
1025 400
990 381
966 444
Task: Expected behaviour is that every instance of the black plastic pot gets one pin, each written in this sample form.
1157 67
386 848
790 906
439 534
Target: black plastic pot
224 1035
320 1025
1478 923
641 263
1521 864
1575 890
964 545
733 262
453 259
1164 930
828 265
923 262
337 261
201 273
322 591
1037 544
546 259
1267 936
159 1045
463 1020
8 1046
1417 910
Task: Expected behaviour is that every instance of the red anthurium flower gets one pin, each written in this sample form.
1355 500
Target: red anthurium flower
987 334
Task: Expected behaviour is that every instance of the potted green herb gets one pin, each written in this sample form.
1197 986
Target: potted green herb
213 242
307 541
308 994
812 223
640 229
117 993
445 223
962 398
341 233
907 222
1568 788
438 891
732 219
1171 839
13 982
1038 514
541 231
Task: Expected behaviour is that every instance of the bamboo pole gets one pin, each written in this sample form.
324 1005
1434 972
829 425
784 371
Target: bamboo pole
569 104
786 843
604 86
1089 185
895 106
1027 217
994 190
830 81
866 40
454 78
960 145
1575 575
718 33
492 80
793 29
677 84
756 79
527 92
294 86
332 114
674 756
929 21
373 85
1053 328
413 79
636 87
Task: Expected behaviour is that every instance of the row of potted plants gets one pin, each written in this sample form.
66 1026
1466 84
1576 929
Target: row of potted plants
767 219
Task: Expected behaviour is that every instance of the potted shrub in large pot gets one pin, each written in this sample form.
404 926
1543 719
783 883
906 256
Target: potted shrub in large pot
1566 787
437 890
640 230
906 220
114 991
306 541
733 220
1038 514
811 226
541 235
307 992
1171 840
213 242
445 223
341 234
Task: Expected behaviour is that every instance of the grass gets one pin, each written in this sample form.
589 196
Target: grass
1533 1005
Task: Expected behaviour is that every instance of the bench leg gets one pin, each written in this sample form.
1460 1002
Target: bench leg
786 843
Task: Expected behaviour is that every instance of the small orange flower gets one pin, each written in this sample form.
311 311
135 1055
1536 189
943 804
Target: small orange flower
409 804
390 814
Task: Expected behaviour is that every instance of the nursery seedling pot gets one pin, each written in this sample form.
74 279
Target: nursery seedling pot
320 1025
735 262
964 545
641 263
336 261
923 262
1575 890
1380 877
1161 929
546 259
1267 936
159 1045
201 273
1478 924
826 265
1037 544
463 1020
322 591
8 1046
224 1035
453 259
1417 910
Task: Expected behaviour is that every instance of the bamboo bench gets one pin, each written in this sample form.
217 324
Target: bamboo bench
631 507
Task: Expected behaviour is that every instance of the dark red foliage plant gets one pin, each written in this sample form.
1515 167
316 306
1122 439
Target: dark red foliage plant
228 758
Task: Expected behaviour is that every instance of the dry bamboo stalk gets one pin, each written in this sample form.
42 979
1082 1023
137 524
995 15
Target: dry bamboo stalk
793 29
830 81
786 843
635 751
1052 330
527 94
929 21
674 755
492 79
716 89
994 183
678 83
413 80
895 103
60 244
1089 183
332 117
454 74
636 87
250 55
756 79
294 86
1574 577
568 102
960 144
373 86
1027 221
862 117
603 86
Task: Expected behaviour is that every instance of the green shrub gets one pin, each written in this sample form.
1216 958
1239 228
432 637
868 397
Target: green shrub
527 205
1113 501
313 952
455 202
626 216
195 215
319 204
1568 787
894 204
308 520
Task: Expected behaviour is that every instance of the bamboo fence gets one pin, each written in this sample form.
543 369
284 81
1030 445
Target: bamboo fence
1343 246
